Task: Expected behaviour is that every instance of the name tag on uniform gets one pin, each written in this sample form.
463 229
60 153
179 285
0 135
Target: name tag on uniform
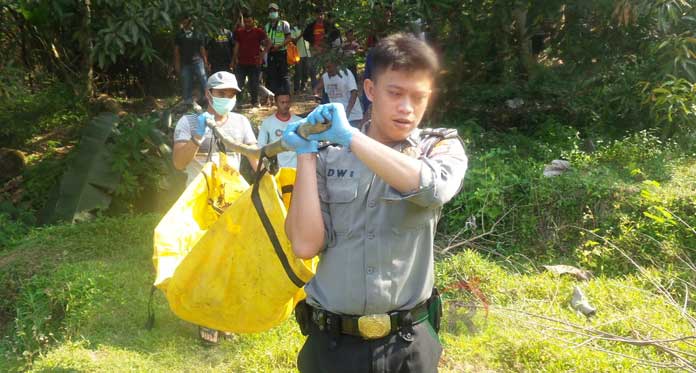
340 173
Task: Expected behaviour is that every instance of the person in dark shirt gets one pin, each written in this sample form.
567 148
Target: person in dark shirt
220 49
190 59
248 56
315 32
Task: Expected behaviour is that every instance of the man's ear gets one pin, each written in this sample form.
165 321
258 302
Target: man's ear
369 89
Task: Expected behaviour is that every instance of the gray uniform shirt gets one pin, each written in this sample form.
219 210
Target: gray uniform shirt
379 242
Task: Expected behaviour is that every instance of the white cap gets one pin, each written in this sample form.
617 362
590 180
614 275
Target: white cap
223 80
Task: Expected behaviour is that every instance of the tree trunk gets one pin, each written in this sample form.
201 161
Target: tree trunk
519 15
21 35
87 46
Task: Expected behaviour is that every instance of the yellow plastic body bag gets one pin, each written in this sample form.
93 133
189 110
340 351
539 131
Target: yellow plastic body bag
221 254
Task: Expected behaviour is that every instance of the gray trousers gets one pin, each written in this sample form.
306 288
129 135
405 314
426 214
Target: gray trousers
327 353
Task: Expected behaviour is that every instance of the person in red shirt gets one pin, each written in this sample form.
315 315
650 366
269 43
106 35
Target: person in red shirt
315 32
319 34
252 44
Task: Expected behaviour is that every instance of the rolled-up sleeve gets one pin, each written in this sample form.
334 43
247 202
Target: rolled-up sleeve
329 235
182 131
441 177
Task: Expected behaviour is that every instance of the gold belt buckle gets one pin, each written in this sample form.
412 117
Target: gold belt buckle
374 326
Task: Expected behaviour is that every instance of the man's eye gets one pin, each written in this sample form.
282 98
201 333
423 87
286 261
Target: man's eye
395 93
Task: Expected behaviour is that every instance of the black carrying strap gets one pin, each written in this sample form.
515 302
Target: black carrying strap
268 226
215 142
150 322
212 148
286 189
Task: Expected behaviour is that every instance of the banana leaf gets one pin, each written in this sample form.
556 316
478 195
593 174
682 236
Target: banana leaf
89 181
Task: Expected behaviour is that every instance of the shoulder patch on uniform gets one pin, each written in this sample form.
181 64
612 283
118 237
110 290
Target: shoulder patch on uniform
443 147
444 133
434 137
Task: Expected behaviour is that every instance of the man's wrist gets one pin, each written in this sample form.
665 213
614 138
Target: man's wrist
307 157
350 135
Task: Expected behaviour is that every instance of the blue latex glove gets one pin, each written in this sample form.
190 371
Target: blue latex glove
200 128
340 132
294 141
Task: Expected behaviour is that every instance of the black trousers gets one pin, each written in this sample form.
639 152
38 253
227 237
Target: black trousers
327 353
218 67
276 74
252 72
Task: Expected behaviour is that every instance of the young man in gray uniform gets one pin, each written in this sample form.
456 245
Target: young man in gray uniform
369 206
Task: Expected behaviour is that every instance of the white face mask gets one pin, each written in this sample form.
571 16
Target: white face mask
222 105
273 15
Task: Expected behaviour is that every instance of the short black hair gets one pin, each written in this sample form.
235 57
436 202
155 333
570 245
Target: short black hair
403 51
283 92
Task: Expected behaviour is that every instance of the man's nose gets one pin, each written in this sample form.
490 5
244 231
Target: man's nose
405 105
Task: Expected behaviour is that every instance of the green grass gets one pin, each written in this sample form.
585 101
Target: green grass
88 285
74 297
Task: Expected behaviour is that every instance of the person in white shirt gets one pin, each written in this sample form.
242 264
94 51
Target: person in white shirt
341 87
193 140
272 128
302 68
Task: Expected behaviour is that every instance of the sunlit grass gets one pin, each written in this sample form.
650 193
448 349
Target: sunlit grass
88 286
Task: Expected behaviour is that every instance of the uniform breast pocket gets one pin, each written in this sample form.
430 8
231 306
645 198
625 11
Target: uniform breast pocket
403 215
341 196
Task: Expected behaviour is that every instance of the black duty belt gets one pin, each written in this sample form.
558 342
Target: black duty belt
369 326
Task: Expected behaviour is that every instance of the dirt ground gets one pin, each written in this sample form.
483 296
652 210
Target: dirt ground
302 104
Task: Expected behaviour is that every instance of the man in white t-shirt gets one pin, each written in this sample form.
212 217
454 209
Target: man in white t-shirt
341 88
272 128
193 140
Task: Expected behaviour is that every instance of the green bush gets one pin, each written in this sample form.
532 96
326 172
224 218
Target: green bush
508 206
53 107
640 154
44 301
14 223
142 156
41 177
673 106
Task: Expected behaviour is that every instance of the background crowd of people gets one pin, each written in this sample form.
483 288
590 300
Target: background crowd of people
270 55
